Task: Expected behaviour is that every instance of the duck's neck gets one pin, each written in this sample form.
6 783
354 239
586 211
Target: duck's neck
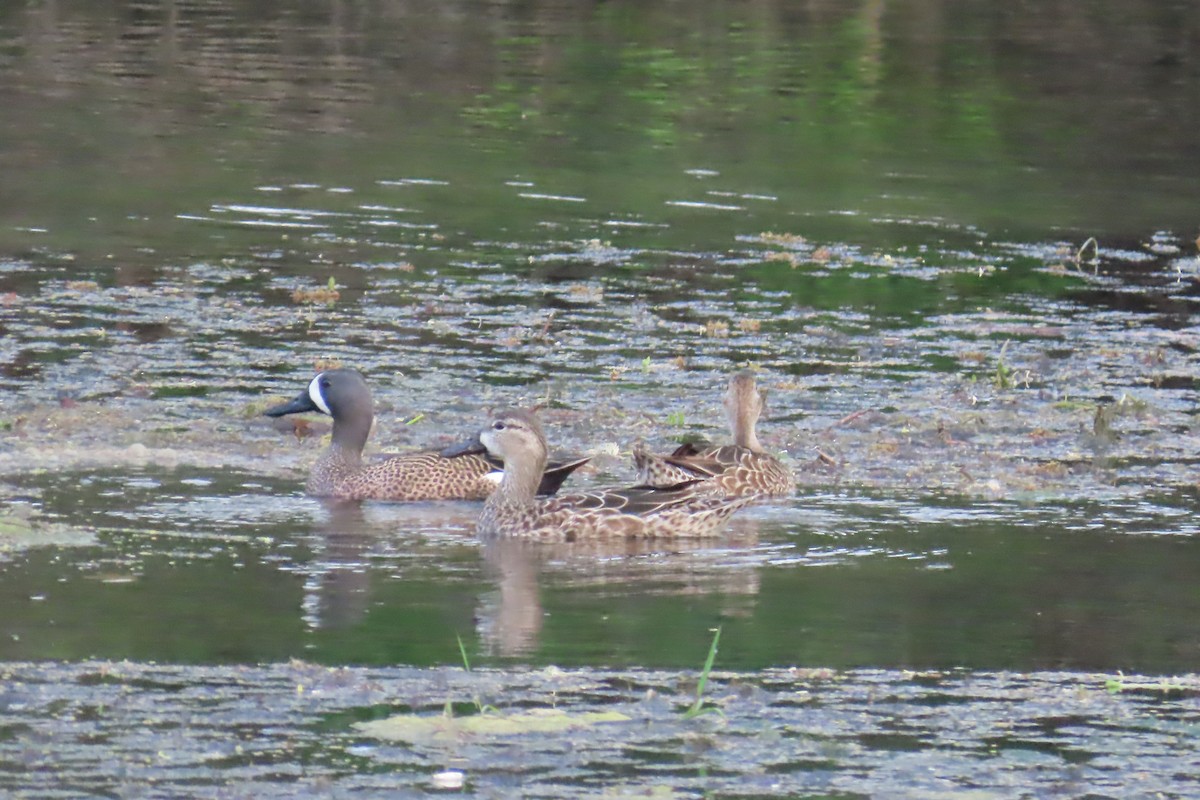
350 437
743 432
521 480
344 456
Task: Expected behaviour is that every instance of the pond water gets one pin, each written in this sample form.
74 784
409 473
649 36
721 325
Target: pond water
957 241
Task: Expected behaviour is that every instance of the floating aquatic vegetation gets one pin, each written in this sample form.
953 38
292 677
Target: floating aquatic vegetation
782 239
432 728
716 329
327 294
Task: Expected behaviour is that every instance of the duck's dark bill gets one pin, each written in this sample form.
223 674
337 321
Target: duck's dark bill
301 404
464 448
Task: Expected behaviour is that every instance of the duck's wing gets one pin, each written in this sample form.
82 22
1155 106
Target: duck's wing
700 465
636 500
557 472
692 448
552 478
687 462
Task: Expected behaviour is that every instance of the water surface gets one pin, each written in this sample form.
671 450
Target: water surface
957 241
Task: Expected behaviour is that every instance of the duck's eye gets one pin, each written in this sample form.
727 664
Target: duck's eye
498 425
326 383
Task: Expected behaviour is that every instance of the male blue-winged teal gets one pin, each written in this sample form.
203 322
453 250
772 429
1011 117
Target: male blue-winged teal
741 468
639 512
340 473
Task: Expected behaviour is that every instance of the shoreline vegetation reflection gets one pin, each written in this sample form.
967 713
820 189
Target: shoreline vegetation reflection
920 110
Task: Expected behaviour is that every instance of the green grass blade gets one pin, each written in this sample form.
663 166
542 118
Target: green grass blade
697 707
462 650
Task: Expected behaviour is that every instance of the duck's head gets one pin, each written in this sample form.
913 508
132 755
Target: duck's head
513 436
341 393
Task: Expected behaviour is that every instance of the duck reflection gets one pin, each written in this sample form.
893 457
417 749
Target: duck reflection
337 587
509 618
355 539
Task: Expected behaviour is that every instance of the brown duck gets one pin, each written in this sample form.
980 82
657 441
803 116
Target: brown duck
340 472
734 470
640 512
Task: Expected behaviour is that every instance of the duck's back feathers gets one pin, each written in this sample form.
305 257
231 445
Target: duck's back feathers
683 511
729 470
429 475
419 476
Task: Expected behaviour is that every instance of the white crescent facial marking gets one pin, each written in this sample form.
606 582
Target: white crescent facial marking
314 394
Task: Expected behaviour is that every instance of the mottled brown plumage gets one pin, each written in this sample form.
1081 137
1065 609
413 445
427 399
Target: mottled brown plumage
340 472
640 512
414 476
740 469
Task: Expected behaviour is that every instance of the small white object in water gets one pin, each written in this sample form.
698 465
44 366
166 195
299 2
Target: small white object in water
564 198
448 779
700 204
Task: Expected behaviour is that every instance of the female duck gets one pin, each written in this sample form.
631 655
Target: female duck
640 512
340 473
735 470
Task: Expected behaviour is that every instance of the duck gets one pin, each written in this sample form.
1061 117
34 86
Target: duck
734 470
515 511
340 473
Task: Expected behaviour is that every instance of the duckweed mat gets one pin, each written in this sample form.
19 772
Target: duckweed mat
119 729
